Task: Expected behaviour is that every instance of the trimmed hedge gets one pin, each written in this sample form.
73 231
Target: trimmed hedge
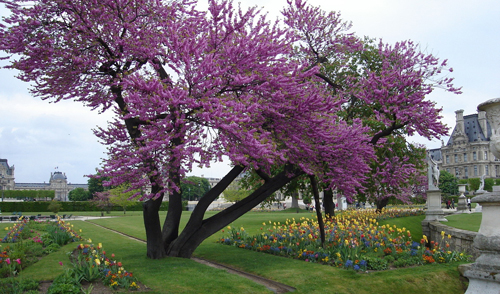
42 206
37 194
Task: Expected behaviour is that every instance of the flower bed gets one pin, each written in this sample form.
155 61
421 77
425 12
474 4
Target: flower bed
354 240
27 241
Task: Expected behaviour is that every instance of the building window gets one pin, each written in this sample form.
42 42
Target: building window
466 172
487 170
456 158
447 159
485 155
475 170
448 170
456 171
465 157
474 156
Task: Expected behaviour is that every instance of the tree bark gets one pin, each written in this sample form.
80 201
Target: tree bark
295 200
196 219
154 248
381 204
328 203
198 231
321 223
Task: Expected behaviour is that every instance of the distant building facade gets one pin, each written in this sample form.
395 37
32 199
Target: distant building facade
6 175
467 153
57 182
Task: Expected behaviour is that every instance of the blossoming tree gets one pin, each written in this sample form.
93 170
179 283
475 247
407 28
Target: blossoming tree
383 85
189 86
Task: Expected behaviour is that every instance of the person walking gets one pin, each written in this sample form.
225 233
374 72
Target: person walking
468 204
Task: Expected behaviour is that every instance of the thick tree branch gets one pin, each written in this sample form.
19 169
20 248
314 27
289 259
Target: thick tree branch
386 132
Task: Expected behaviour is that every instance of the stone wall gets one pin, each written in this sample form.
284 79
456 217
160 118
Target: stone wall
461 240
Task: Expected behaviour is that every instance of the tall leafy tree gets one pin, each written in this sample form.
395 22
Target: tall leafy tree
448 183
78 194
194 187
95 184
189 86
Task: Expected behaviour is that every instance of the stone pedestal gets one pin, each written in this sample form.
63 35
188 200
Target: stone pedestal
434 211
484 273
462 203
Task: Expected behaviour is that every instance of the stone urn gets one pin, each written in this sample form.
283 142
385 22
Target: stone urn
484 273
462 201
492 109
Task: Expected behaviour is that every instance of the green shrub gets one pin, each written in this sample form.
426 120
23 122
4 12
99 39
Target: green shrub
64 289
16 285
67 282
51 248
58 236
377 264
54 206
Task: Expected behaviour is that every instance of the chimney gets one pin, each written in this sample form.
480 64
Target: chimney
460 122
482 122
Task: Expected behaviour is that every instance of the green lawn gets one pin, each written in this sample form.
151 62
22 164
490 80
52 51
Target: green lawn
176 275
465 221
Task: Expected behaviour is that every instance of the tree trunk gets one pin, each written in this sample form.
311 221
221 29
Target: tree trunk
197 231
321 224
295 200
381 204
328 203
196 219
154 243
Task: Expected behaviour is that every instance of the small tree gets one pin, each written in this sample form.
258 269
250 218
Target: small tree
120 196
488 184
101 200
474 184
54 206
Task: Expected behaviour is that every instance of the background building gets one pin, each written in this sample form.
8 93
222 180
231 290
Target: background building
57 182
467 153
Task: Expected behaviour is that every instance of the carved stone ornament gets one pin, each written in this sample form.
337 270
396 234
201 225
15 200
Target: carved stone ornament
492 108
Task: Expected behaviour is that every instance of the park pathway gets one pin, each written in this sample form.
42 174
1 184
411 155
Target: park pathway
273 286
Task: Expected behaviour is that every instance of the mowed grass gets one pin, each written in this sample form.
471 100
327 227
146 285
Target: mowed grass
177 275
465 221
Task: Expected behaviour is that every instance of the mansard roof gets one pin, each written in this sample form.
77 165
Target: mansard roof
473 130
5 163
436 154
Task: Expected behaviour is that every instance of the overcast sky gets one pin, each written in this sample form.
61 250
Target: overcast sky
38 137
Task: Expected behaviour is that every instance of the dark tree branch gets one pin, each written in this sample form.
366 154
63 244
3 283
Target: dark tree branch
386 132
